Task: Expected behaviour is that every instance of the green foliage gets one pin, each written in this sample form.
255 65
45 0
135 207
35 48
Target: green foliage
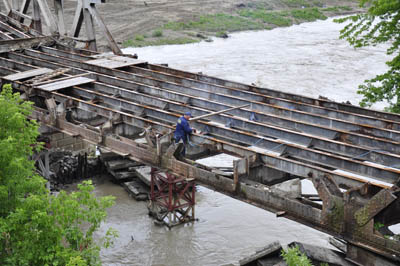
378 225
157 33
293 257
307 14
161 41
35 227
275 18
17 138
380 24
215 23
323 264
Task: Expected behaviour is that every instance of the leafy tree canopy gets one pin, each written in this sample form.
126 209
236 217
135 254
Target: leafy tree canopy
380 24
37 228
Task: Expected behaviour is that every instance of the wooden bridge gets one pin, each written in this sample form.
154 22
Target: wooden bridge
350 154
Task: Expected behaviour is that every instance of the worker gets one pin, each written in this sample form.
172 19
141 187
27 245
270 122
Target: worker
183 130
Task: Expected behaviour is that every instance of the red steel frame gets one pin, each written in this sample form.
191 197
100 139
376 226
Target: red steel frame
172 198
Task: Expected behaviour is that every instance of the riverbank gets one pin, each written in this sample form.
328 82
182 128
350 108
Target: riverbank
193 23
141 23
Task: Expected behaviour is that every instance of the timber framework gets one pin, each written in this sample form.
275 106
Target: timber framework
350 154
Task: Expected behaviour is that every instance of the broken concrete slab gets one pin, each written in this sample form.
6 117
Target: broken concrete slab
268 250
291 188
137 189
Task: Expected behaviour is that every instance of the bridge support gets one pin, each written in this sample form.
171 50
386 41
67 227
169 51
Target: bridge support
172 198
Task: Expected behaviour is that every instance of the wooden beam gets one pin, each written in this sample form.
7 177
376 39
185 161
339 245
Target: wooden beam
90 32
47 15
17 44
36 21
59 10
24 9
7 5
111 42
78 19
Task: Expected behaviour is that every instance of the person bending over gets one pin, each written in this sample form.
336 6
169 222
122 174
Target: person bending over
183 131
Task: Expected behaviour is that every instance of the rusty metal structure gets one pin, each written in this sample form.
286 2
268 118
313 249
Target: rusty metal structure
172 198
130 107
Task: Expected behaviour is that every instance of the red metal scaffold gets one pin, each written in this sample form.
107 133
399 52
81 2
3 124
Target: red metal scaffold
172 198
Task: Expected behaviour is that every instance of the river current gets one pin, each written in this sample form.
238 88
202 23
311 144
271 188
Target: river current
307 59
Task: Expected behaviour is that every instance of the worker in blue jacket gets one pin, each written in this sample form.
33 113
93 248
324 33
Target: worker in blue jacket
183 130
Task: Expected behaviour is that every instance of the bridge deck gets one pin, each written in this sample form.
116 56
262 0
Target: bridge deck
351 154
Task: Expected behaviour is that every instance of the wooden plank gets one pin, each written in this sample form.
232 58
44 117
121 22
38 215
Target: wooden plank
65 83
27 74
23 43
115 62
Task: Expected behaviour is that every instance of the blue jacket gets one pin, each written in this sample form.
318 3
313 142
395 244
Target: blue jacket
182 130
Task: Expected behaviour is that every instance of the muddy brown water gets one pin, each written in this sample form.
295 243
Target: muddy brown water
306 59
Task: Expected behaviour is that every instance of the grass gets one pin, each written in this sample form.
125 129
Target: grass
256 16
307 14
215 23
337 8
276 18
302 3
161 41
221 34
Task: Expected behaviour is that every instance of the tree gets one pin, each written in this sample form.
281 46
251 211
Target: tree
380 24
37 228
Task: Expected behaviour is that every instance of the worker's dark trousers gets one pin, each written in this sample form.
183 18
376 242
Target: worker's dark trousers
183 151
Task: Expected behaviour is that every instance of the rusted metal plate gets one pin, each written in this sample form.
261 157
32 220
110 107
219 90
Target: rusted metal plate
27 74
65 83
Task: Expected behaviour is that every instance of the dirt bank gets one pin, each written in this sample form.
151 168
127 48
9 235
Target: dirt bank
155 22
138 20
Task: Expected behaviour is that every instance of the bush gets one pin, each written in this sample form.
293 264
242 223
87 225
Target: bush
157 33
139 38
293 257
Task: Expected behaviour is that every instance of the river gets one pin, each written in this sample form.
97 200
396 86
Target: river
307 59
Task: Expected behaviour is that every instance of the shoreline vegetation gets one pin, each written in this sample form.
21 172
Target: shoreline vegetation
250 16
